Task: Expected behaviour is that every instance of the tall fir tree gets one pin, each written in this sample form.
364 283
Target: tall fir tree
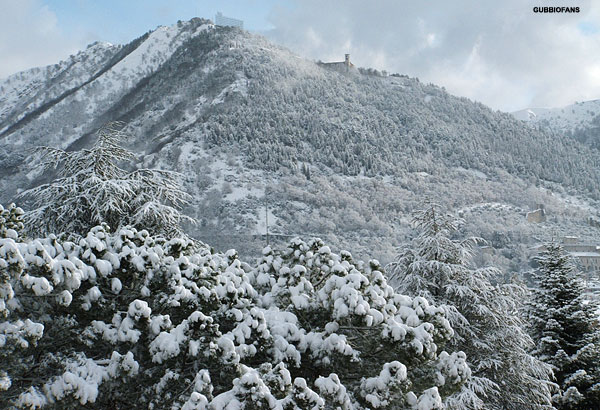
92 189
484 316
564 330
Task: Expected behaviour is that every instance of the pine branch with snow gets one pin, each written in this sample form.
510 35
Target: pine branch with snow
92 189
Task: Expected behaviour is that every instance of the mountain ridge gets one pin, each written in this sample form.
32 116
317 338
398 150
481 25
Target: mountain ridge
580 120
249 123
565 118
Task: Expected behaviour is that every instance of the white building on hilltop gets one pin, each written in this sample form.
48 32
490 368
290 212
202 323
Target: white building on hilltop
342 66
221 20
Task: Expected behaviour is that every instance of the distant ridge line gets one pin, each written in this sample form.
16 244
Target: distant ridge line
124 52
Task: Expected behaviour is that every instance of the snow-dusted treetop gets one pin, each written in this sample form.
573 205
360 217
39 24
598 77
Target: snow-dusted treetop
128 319
483 314
92 189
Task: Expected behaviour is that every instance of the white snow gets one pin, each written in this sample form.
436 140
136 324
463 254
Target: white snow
562 119
239 86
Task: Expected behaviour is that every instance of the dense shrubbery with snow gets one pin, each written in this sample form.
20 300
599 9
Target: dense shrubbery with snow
127 319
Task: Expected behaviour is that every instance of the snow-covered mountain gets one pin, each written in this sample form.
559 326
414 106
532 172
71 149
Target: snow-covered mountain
580 120
567 118
266 138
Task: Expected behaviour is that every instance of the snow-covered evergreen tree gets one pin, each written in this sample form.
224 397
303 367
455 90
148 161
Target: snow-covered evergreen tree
16 334
130 320
92 189
483 315
382 347
565 331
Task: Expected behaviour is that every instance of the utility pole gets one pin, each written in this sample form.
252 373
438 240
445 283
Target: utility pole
267 218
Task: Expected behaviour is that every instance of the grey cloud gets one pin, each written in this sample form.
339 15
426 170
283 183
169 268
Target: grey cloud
497 52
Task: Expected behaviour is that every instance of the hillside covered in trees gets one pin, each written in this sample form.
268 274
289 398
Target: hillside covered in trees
251 125
122 309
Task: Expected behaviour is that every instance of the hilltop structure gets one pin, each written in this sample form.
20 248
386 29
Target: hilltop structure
588 254
343 66
221 20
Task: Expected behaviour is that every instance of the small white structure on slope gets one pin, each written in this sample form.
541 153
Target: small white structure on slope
221 20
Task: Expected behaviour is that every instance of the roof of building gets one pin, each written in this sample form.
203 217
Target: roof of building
586 254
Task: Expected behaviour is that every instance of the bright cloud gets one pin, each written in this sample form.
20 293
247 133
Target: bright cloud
30 36
500 53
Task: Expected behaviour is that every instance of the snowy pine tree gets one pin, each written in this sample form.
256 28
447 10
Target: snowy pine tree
383 349
564 331
483 315
133 320
92 189
16 334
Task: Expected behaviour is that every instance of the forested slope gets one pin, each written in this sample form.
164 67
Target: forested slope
249 123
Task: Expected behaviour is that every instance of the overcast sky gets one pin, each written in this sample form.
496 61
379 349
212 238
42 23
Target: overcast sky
498 52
